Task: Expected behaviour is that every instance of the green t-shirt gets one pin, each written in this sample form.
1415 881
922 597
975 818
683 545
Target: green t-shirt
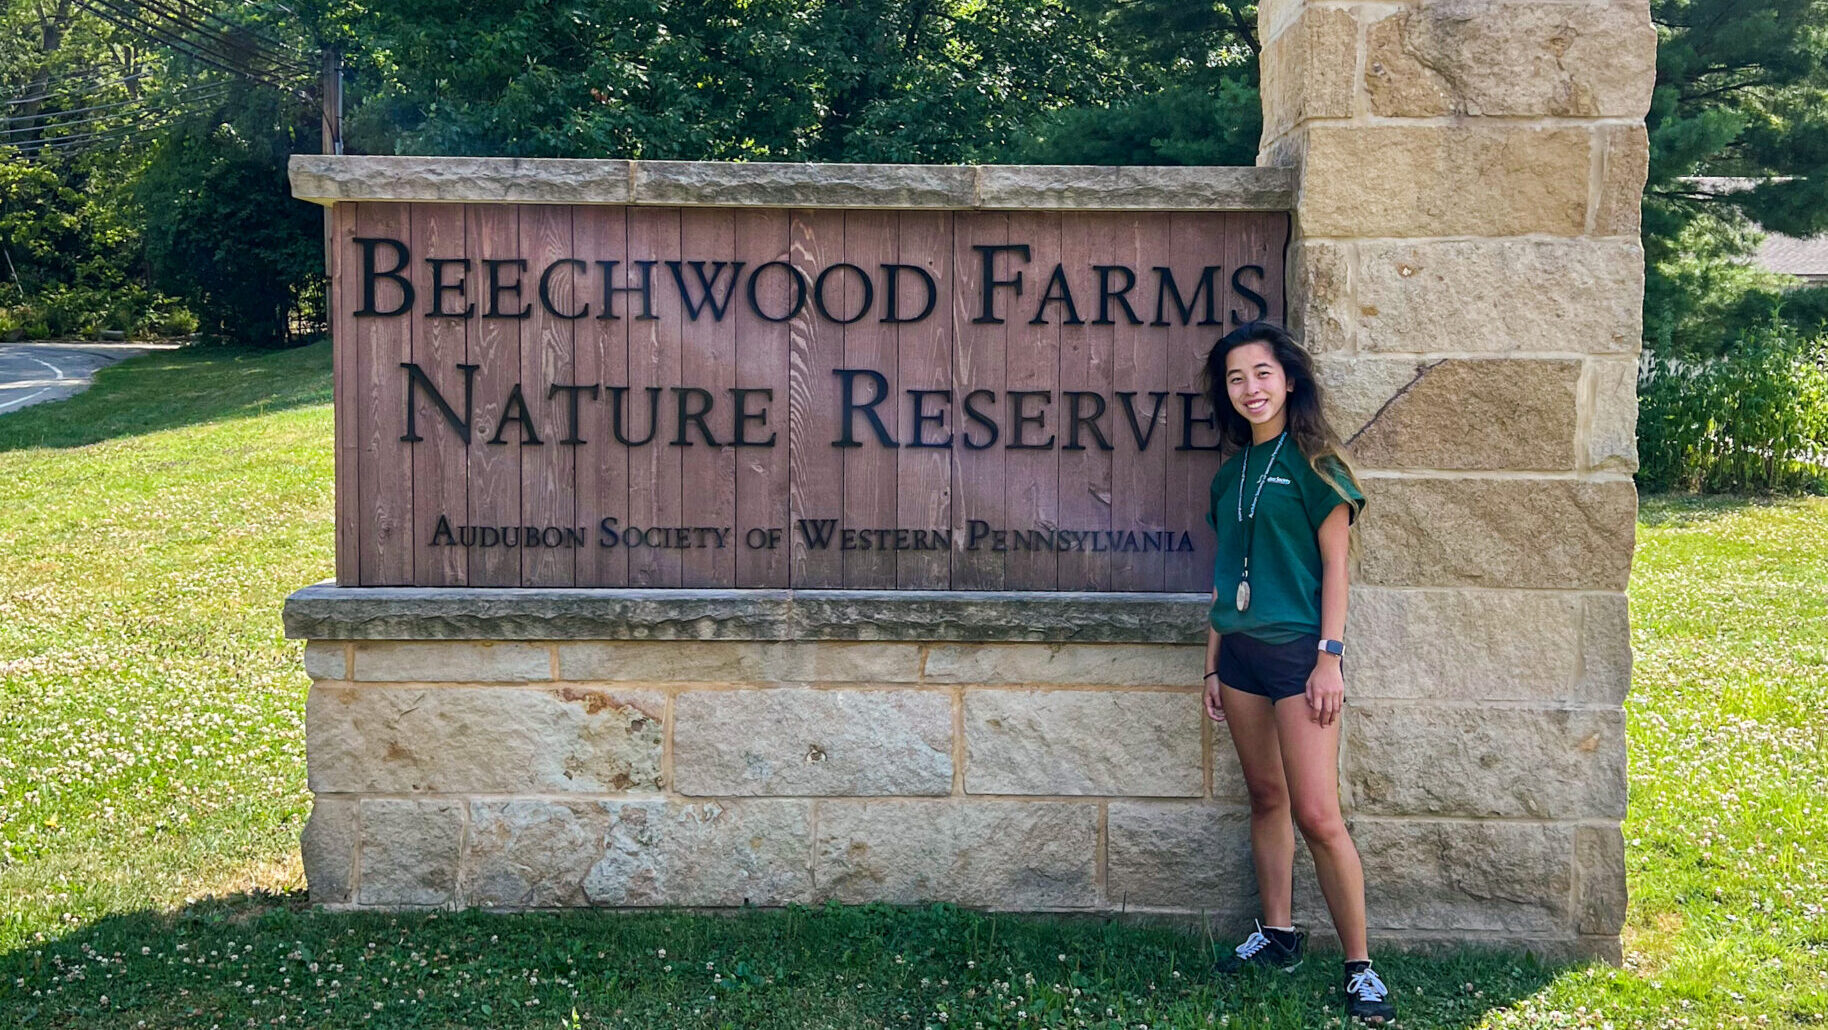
1285 564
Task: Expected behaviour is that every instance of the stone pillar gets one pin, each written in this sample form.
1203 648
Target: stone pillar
1466 263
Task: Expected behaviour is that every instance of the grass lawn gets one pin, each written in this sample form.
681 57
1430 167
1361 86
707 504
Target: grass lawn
152 789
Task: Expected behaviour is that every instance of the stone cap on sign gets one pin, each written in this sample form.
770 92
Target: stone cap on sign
329 179
328 612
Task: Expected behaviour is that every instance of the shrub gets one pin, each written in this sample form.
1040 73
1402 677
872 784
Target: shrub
65 312
223 232
1752 421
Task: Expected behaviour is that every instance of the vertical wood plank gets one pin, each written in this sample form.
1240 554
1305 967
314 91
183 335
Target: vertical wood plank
978 365
1032 365
441 482
816 346
1085 367
493 233
1260 240
345 360
869 343
708 362
385 474
1140 367
1199 239
923 490
654 498
762 491
601 234
548 483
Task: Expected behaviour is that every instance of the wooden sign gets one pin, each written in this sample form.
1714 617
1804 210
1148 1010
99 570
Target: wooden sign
610 396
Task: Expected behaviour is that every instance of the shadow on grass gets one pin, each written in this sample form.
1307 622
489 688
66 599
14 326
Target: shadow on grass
1680 511
168 389
266 960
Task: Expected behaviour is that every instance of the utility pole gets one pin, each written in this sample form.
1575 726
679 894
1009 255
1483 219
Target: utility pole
331 94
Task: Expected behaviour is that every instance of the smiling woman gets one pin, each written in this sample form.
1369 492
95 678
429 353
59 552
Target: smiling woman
1279 637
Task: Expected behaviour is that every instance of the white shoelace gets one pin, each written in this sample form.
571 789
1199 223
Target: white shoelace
1254 943
1367 986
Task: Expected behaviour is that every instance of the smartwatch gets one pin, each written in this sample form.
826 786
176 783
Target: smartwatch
1334 647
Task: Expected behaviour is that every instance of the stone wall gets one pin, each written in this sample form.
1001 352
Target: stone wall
1467 264
1040 752
1465 179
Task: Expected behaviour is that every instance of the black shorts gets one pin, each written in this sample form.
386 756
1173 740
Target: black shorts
1274 671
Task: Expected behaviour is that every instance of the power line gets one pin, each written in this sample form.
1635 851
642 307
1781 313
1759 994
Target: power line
211 49
157 116
56 85
179 12
42 117
223 55
271 41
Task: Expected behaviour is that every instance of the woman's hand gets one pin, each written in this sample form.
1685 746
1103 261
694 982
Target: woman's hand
1215 708
1326 690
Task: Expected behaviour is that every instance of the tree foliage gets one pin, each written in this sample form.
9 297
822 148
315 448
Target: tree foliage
1742 94
223 231
1104 81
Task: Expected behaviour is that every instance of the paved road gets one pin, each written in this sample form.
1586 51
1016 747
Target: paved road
33 373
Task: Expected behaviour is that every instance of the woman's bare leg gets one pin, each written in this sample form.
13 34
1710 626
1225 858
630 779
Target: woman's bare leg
1252 720
1310 764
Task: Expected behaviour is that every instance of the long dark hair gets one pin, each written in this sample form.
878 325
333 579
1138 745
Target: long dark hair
1305 410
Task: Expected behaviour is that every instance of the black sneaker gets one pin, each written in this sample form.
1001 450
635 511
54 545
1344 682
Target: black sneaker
1266 949
1367 999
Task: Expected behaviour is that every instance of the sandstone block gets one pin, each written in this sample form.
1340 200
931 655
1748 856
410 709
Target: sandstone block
327 612
1626 164
714 854
526 853
1320 275
324 660
328 846
1180 856
326 179
1117 665
1468 877
483 739
1598 948
1356 387
452 662
1275 16
803 742
1477 414
792 184
1606 649
1609 415
1600 894
1227 775
1399 180
1118 188
999 855
1484 763
1518 533
1481 645
1307 70
409 851
1470 57
1496 296
740 661
1127 743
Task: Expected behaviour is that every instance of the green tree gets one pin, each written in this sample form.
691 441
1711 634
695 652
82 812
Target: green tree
780 80
1742 92
223 230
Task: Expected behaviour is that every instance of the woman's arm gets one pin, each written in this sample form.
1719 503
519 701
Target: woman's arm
1214 710
1326 686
